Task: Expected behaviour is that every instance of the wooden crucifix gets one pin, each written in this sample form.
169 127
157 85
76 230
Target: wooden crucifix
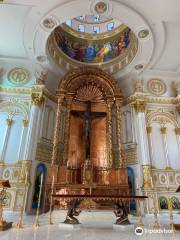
88 116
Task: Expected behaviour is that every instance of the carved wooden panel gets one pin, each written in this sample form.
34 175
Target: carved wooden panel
98 142
76 153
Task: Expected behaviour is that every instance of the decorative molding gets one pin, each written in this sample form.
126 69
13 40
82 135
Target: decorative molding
19 76
156 87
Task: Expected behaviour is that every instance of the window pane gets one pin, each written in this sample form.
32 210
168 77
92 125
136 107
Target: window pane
83 17
81 28
110 26
69 22
96 30
96 18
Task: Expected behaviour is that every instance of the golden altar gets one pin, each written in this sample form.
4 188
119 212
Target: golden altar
88 154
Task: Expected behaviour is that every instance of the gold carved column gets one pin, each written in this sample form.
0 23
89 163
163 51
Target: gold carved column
57 129
69 100
121 158
109 161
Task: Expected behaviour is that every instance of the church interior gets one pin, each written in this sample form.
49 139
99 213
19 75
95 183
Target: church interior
89 119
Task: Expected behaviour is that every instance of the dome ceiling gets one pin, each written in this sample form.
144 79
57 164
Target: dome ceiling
76 42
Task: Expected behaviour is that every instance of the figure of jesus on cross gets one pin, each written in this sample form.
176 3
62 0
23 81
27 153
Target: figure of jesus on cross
88 116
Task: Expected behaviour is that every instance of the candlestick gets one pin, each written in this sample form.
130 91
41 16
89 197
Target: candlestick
36 223
19 225
51 201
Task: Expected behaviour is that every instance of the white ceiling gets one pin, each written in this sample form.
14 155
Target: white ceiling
22 37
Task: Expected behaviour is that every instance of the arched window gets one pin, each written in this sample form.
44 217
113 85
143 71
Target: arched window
40 170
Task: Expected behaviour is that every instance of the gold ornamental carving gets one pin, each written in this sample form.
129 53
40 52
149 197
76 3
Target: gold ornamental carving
147 173
177 131
140 105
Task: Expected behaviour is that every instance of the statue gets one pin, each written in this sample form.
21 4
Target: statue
121 212
73 211
88 116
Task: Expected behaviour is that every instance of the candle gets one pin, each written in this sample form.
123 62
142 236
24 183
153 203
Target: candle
42 178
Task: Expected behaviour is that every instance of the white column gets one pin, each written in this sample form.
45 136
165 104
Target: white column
143 139
33 133
6 138
177 131
164 138
151 149
21 144
133 124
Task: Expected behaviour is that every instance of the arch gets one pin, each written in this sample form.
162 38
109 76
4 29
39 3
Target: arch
40 169
14 108
162 118
75 79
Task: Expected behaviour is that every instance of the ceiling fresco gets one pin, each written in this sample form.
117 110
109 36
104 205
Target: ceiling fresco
93 50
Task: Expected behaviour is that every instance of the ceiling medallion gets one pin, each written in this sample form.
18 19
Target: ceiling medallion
19 76
101 7
157 87
143 33
49 23
138 66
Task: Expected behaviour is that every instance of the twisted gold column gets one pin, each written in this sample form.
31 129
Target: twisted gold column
57 129
121 159
109 161
69 99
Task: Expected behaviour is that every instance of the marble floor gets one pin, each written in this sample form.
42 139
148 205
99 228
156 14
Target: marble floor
94 226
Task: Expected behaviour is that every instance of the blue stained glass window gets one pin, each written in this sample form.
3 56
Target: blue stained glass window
110 26
81 28
69 22
96 29
96 18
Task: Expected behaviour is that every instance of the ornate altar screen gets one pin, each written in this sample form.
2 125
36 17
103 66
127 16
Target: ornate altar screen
89 158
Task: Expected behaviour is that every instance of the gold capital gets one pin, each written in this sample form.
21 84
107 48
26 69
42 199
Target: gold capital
25 122
140 105
9 121
163 130
178 108
149 129
36 98
177 131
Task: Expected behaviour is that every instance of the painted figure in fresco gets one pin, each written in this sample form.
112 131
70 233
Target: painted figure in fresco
89 53
96 53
